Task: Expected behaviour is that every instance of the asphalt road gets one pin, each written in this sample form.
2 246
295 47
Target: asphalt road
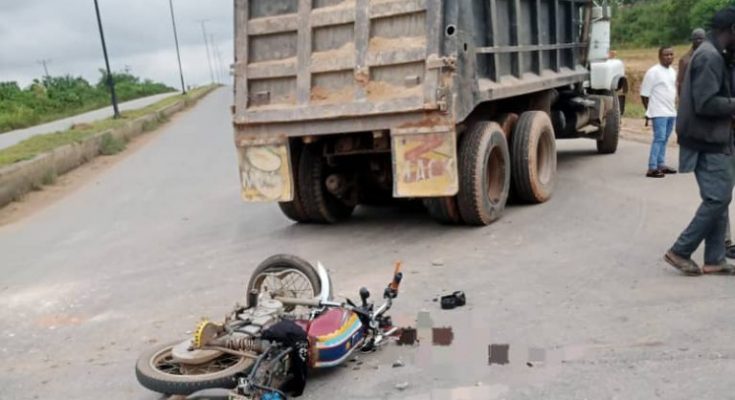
159 240
11 138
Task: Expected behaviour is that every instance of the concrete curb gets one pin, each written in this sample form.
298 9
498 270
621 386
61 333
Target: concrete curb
22 177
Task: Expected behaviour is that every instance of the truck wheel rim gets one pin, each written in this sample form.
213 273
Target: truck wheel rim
164 363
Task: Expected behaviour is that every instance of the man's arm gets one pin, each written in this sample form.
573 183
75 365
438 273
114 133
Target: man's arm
681 73
647 88
706 78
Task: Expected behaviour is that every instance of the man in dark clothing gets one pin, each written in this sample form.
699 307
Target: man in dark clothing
705 135
698 37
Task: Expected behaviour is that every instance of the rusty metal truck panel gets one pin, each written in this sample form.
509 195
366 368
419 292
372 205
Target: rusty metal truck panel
311 60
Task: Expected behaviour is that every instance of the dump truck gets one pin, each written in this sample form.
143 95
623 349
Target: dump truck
457 103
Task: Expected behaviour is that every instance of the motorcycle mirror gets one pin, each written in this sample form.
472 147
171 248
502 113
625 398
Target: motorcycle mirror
364 294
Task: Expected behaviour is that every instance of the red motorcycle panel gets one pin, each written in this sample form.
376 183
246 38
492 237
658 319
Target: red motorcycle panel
333 336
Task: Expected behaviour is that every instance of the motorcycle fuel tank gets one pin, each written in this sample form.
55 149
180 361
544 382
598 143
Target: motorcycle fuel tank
333 336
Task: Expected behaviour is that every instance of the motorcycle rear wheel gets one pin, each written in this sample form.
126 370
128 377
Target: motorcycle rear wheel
296 278
158 371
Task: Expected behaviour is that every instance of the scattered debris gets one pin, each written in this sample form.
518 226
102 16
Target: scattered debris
438 262
407 336
529 364
402 385
456 299
398 364
355 359
442 336
498 354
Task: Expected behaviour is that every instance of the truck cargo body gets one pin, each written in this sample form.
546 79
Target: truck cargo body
373 97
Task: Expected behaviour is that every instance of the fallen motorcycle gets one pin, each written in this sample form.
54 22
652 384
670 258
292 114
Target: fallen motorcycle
264 350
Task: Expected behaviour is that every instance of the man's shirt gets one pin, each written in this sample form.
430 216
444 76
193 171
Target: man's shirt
659 85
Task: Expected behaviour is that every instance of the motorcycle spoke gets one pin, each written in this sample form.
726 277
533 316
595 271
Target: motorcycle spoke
167 365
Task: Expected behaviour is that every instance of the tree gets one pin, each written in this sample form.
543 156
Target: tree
642 23
702 11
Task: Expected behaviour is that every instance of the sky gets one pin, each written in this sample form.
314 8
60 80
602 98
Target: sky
138 33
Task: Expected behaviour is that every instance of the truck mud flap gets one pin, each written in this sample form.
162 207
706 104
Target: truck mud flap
265 172
424 162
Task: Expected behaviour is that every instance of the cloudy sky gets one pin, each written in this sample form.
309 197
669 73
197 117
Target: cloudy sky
138 33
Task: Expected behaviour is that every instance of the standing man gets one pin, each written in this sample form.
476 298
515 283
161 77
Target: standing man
706 148
658 93
698 36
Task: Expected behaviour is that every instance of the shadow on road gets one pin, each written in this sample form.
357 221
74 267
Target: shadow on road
413 215
564 156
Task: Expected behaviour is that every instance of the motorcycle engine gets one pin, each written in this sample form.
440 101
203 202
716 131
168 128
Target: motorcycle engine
260 317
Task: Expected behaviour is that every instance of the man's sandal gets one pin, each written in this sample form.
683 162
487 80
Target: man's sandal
685 265
721 269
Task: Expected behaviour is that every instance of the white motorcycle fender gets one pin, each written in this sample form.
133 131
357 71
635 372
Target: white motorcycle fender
326 282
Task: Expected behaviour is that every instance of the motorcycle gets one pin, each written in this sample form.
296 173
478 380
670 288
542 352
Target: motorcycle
264 350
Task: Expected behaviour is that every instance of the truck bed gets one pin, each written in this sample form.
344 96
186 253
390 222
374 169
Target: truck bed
316 60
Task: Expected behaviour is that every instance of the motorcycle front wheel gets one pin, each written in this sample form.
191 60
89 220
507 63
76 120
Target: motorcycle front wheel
158 371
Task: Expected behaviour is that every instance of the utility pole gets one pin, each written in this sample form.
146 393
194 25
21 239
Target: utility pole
45 63
110 80
223 68
206 47
215 59
176 40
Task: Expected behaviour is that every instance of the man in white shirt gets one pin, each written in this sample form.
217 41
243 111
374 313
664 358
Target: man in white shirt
658 93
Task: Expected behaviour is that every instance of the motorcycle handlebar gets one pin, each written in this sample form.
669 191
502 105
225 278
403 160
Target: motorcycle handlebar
397 277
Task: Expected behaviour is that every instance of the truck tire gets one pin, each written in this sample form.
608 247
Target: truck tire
320 205
484 174
294 209
608 144
443 210
533 157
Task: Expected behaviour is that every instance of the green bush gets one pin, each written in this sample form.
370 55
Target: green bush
649 23
701 13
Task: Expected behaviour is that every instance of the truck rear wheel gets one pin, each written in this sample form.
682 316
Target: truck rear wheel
533 157
320 205
484 174
608 144
443 209
294 209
